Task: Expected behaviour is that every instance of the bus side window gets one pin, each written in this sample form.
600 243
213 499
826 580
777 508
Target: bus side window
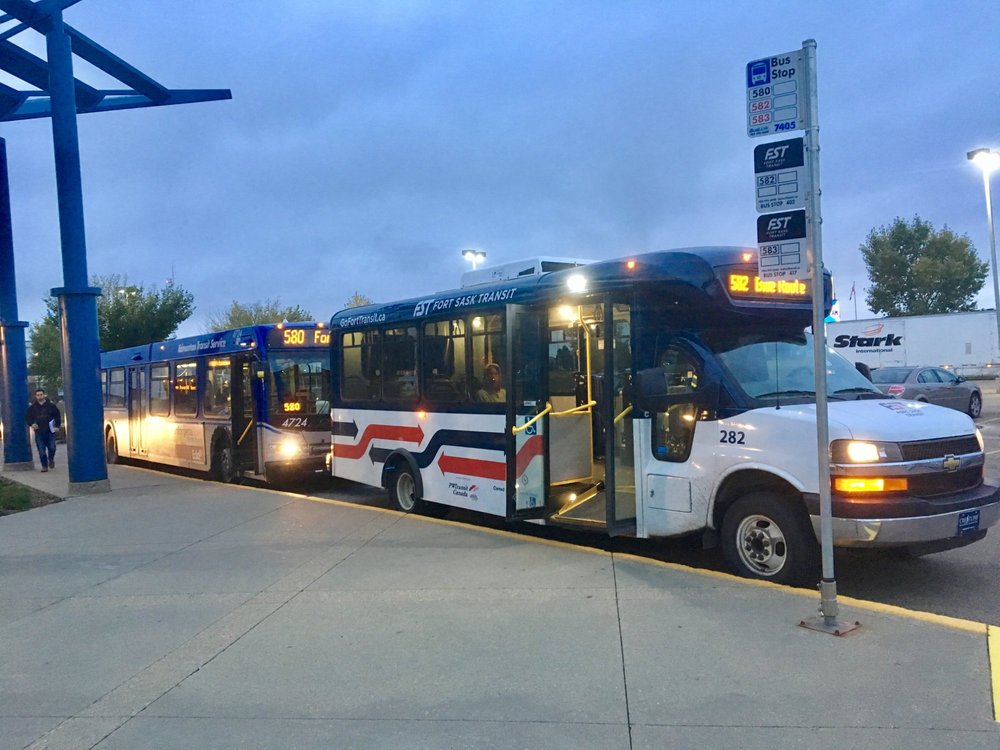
399 377
442 361
116 387
159 390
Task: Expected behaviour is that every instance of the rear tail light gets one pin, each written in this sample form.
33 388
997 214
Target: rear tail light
896 390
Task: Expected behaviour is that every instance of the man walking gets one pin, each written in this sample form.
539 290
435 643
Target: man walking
44 419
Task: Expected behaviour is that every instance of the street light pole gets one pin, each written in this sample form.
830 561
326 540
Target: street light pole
988 161
474 257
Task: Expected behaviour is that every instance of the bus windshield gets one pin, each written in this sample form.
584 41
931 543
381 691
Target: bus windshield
300 383
780 365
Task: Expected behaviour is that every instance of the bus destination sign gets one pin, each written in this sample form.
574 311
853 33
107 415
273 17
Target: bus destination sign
748 285
298 338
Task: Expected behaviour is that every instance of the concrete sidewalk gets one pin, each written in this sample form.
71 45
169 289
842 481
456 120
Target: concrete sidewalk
178 613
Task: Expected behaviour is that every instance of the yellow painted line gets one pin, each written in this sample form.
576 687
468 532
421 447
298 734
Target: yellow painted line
994 650
990 453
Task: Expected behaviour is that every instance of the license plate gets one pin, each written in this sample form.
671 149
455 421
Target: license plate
968 522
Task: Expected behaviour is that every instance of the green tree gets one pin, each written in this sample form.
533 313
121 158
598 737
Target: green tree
915 270
358 300
127 315
256 313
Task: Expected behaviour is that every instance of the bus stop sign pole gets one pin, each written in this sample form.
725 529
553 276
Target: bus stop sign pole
777 87
827 622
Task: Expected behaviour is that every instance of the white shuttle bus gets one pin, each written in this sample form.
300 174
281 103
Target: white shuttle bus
655 396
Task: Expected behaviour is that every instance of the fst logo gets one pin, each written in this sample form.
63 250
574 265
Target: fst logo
422 308
778 224
776 153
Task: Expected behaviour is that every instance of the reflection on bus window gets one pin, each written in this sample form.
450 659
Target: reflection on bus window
186 389
159 390
300 384
217 388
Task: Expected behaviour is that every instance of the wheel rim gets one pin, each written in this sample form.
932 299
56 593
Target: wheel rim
761 545
226 464
976 406
405 491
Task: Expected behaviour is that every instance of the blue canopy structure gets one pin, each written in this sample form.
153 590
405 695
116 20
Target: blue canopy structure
56 93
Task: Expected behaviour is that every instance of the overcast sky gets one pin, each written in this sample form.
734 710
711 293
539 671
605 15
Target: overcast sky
368 143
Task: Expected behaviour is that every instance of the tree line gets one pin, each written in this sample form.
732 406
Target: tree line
913 269
131 315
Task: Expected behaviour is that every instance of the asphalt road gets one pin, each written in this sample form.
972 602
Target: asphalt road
961 583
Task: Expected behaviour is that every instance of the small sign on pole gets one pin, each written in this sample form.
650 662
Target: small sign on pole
780 175
781 245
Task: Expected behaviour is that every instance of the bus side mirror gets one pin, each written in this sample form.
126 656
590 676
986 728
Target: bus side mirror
863 369
650 385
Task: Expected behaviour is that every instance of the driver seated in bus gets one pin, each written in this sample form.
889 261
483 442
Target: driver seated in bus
492 391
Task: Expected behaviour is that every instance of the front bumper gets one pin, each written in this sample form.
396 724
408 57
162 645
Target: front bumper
954 524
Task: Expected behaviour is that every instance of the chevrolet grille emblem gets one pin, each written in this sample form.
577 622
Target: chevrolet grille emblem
951 462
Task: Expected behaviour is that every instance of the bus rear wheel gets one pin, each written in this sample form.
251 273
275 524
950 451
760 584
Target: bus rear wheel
770 538
223 463
111 448
403 491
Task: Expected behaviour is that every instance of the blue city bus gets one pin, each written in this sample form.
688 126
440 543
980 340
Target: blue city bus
248 402
666 394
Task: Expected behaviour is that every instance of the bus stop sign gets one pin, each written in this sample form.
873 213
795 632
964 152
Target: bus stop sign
781 245
774 94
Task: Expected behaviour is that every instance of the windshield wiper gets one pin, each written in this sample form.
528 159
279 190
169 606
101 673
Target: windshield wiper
773 394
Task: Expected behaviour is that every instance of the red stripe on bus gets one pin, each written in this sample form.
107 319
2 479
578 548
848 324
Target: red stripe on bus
473 467
530 450
379 432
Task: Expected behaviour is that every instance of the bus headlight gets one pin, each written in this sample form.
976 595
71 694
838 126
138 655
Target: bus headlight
290 447
979 439
864 452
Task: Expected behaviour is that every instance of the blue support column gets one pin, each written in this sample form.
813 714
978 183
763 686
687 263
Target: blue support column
88 471
13 360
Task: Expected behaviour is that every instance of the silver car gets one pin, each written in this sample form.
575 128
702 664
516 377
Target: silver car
931 384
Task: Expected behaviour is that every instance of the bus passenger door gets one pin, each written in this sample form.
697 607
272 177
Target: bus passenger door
616 417
527 446
244 424
136 410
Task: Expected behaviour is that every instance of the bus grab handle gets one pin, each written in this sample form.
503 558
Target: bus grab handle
526 425
582 408
625 412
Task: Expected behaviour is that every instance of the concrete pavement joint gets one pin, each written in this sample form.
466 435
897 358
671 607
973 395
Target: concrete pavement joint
621 646
993 646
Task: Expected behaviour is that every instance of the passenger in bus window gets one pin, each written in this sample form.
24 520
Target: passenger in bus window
492 391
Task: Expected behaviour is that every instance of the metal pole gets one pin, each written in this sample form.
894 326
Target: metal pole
77 302
993 251
13 359
814 255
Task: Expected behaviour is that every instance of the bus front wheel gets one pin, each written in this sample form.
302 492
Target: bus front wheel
769 537
403 491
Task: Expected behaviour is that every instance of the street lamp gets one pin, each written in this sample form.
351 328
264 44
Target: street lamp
474 257
988 161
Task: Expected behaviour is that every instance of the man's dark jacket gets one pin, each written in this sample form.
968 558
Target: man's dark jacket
41 414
